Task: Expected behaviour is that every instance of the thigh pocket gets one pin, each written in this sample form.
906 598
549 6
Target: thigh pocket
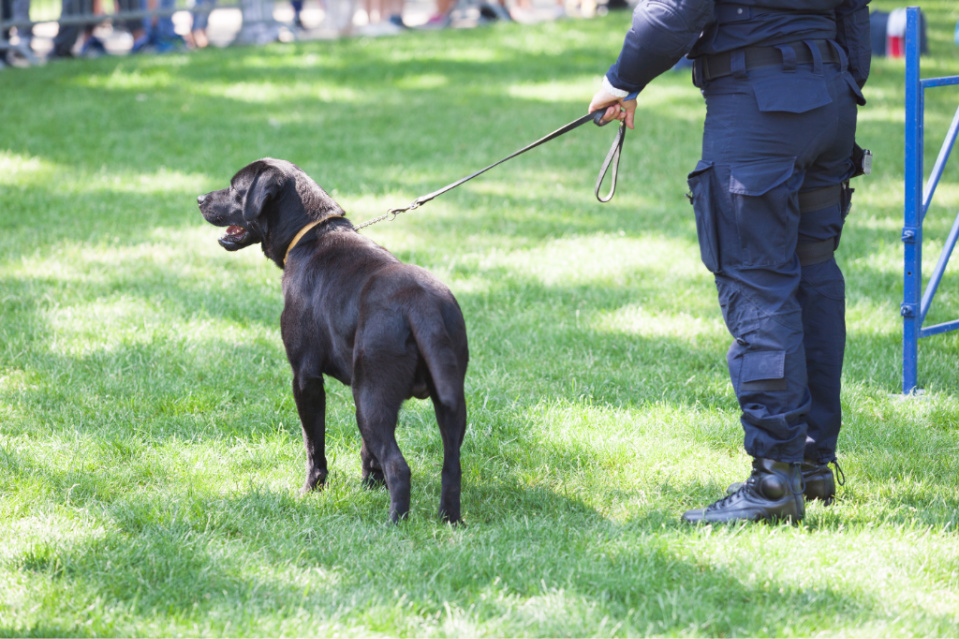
703 193
766 210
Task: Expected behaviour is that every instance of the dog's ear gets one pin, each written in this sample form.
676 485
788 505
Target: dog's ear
266 184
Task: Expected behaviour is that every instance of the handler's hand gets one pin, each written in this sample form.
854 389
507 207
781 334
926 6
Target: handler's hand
616 108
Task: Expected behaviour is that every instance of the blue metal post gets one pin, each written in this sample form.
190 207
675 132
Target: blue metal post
912 229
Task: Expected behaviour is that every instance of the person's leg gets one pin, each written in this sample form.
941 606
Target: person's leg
751 183
372 10
134 27
297 6
757 147
825 201
6 13
745 195
759 151
67 34
394 11
148 35
822 298
442 15
165 28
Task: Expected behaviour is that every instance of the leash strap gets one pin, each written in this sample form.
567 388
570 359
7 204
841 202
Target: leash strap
612 159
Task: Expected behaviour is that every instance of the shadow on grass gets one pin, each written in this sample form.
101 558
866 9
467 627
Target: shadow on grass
130 397
235 564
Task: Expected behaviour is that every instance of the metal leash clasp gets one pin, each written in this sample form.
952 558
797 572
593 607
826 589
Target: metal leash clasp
392 213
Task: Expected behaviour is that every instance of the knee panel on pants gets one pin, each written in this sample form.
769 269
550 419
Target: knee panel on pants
762 371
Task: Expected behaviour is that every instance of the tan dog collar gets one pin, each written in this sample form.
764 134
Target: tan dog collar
303 231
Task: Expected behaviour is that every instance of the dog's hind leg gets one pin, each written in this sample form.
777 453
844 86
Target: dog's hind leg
310 397
443 347
451 418
376 418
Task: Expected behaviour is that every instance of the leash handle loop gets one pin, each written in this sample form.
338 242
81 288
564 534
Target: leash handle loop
612 158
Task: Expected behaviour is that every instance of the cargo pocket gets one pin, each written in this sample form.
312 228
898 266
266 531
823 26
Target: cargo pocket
767 216
763 371
701 195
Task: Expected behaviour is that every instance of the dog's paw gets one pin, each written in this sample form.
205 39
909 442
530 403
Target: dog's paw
397 516
314 482
453 520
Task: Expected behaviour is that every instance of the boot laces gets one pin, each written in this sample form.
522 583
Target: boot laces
840 476
747 485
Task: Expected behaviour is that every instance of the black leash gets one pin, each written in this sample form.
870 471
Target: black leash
612 158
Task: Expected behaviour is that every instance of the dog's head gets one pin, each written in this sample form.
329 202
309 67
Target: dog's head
268 202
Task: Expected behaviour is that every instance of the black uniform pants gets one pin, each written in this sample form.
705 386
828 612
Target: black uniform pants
770 135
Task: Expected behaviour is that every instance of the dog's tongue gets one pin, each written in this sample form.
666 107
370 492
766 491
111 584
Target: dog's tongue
234 230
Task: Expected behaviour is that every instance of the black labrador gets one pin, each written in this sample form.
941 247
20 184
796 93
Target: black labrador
354 312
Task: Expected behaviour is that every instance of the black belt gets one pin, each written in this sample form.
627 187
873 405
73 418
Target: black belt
721 64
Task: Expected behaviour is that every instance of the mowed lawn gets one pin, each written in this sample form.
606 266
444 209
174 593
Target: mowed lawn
150 451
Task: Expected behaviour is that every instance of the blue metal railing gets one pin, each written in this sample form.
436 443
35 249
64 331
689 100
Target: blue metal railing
917 200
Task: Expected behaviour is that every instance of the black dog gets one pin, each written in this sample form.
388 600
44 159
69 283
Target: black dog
354 312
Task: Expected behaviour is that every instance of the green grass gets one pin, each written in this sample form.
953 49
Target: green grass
149 447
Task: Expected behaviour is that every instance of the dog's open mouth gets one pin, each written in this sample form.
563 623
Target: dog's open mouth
235 234
236 237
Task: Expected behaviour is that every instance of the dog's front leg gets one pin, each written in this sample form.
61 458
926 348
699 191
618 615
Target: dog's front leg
310 397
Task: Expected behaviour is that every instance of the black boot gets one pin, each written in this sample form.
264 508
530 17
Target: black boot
818 481
774 490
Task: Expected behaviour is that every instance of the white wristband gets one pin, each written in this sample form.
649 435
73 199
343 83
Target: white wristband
613 91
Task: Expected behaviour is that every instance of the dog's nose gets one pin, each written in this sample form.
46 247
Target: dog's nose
200 199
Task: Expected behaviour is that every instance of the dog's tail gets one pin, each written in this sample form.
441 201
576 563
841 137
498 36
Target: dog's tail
446 357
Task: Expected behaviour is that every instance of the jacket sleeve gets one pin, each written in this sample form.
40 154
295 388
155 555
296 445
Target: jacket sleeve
852 34
663 31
